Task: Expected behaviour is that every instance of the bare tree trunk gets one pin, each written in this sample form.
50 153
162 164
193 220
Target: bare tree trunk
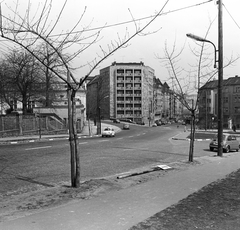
71 137
47 88
192 136
74 129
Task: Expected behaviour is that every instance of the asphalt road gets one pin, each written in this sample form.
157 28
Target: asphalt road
48 163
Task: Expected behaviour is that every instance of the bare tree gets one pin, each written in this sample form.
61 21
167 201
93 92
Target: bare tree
28 32
185 83
21 78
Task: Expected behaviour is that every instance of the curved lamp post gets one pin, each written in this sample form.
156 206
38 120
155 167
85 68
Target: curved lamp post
199 39
220 111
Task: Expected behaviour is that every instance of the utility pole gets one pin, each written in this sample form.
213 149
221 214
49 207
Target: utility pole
220 79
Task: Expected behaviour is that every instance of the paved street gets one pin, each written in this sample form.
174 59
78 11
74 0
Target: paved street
48 163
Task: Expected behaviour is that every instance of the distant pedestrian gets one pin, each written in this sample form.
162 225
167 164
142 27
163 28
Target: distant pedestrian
234 128
185 128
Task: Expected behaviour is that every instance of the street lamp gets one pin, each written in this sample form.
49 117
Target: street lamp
199 39
220 76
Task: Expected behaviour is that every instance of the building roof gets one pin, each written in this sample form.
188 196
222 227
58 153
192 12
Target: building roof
226 82
128 63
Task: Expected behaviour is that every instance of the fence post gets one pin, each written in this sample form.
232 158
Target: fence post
2 120
19 123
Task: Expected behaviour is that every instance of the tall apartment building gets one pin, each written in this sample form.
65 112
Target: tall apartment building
124 91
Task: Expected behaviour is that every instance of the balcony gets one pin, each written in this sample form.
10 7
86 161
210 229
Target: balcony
137 80
120 73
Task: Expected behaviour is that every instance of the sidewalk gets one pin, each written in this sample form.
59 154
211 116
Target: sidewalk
34 138
125 208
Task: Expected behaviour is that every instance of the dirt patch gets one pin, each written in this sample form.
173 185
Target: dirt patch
29 200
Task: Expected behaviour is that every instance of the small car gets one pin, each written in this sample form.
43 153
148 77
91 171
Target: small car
116 121
126 127
158 123
230 143
108 132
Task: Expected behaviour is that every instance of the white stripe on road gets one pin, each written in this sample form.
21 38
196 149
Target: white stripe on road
44 147
82 143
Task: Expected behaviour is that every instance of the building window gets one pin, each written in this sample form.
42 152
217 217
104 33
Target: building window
225 99
237 89
237 110
225 110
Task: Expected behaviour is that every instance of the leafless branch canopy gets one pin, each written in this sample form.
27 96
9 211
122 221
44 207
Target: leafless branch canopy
32 30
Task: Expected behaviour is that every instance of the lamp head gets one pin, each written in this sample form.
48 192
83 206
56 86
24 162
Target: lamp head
197 38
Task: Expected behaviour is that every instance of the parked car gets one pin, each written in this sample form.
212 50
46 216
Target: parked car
158 122
230 143
108 132
127 120
116 121
126 126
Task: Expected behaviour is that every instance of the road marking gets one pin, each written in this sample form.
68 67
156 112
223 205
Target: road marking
130 136
83 143
103 140
44 147
119 138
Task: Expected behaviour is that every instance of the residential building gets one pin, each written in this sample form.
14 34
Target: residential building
208 103
123 91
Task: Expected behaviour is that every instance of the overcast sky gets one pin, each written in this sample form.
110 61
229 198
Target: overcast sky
171 27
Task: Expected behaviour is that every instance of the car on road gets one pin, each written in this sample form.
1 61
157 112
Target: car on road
158 122
116 121
127 120
230 143
126 126
108 132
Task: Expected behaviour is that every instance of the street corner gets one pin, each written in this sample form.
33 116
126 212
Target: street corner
181 136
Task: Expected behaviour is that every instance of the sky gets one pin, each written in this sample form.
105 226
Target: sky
116 19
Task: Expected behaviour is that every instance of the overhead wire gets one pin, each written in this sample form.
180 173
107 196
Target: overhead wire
231 16
131 21
139 19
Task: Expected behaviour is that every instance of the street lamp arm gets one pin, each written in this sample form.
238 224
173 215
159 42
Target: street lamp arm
200 39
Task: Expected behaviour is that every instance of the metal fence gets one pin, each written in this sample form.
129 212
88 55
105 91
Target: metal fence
15 125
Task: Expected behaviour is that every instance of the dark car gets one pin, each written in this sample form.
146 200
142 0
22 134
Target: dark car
116 121
158 123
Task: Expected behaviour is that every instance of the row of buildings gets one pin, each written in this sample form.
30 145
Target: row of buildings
208 103
132 91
